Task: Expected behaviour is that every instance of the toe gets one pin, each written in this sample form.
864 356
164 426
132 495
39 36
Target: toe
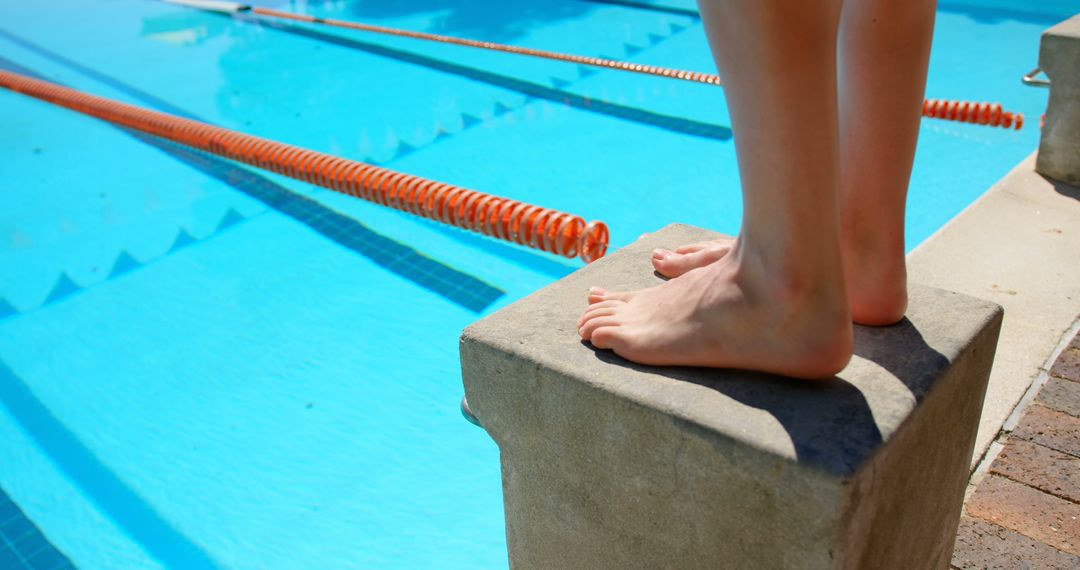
672 264
675 264
597 309
590 326
595 313
692 247
599 295
719 243
607 337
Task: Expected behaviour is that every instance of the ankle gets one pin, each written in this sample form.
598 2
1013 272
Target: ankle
792 278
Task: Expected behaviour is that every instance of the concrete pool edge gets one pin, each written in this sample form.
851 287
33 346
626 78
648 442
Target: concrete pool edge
1016 245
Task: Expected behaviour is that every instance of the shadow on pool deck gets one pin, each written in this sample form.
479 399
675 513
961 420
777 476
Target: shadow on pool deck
830 423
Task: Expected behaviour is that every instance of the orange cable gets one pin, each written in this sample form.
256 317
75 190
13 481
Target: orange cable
968 112
990 114
580 59
963 111
525 224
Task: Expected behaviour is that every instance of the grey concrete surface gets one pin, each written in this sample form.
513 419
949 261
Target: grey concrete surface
1059 57
1018 246
607 464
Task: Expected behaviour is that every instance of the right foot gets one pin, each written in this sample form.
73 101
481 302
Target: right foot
730 314
876 280
876 277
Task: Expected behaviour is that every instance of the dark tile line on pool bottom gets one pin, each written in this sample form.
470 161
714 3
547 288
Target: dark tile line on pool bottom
549 265
22 544
133 92
452 284
648 6
533 91
975 12
461 288
65 286
131 512
439 278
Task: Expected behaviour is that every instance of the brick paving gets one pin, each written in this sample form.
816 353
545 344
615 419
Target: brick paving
1025 512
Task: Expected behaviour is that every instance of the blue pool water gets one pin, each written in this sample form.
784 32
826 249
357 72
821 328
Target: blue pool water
208 366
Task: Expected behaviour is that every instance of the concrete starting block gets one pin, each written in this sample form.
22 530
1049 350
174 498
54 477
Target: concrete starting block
607 464
1059 147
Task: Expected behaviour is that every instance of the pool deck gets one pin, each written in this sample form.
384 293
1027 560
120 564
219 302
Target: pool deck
1018 245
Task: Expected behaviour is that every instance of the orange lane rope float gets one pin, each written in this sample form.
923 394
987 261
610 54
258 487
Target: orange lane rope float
977 113
233 8
989 114
525 224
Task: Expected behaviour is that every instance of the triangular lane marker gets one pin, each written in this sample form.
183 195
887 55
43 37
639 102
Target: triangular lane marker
231 218
63 288
124 263
6 309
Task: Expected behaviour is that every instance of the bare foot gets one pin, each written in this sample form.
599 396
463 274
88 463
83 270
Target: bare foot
729 315
876 276
672 264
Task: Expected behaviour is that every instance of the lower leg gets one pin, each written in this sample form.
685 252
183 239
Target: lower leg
885 46
777 301
884 50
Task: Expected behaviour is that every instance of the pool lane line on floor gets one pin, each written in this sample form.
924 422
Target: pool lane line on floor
131 513
22 544
234 8
532 91
650 7
454 285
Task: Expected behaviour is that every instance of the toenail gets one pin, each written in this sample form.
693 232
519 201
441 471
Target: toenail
660 253
596 291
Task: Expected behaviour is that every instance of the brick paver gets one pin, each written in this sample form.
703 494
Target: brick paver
1050 428
1068 364
981 545
1040 467
1061 395
1025 513
1028 511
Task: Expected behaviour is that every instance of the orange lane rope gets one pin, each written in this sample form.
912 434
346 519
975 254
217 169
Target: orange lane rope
990 114
533 226
977 113
231 7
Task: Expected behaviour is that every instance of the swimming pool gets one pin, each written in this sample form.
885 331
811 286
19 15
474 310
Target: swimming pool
204 365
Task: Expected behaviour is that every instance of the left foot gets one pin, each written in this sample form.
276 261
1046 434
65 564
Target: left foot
875 273
672 264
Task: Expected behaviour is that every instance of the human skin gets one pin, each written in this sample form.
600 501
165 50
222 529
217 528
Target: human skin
824 192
